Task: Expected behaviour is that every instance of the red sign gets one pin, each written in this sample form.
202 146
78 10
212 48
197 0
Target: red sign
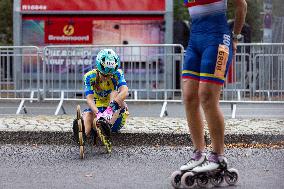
92 5
67 31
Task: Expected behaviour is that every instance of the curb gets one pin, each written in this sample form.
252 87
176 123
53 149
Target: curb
128 139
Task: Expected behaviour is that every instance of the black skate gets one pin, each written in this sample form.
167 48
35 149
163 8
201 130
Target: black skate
103 128
79 131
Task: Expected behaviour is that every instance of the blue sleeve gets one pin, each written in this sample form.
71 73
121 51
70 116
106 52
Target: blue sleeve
121 79
88 77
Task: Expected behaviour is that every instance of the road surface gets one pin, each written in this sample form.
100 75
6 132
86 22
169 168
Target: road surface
145 167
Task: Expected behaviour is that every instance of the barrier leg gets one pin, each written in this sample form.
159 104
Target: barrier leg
32 96
60 104
164 109
233 109
21 106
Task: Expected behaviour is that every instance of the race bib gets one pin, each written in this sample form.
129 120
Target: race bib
222 59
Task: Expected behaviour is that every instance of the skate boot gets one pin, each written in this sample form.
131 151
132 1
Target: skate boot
79 131
213 170
197 158
103 129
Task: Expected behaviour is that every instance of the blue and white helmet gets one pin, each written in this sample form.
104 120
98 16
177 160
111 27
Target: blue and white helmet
107 61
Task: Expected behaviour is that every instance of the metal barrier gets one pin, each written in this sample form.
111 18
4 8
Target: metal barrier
257 75
19 73
150 70
152 73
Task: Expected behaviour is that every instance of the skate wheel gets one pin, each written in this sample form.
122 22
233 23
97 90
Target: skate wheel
108 147
176 178
217 180
187 180
81 140
231 176
78 112
202 181
82 155
80 133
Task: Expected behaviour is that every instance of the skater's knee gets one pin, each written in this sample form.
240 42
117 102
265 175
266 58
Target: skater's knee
207 99
88 115
191 100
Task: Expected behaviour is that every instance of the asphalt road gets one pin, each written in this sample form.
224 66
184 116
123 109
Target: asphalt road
148 109
45 166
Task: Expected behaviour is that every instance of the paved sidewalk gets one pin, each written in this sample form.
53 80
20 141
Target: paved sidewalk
162 130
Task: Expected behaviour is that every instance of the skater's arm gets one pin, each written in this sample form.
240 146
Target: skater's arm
91 103
121 88
240 15
122 94
89 78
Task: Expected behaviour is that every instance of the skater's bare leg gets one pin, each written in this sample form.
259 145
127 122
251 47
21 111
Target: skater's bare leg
88 122
209 95
193 113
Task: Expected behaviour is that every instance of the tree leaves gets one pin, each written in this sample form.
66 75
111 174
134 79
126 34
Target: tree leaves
6 22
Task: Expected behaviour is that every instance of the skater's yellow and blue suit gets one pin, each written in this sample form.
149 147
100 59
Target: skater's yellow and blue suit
101 91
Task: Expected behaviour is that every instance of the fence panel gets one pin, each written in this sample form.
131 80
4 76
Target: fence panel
257 74
151 71
19 72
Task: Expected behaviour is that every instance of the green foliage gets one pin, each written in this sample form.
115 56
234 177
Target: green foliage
180 11
6 22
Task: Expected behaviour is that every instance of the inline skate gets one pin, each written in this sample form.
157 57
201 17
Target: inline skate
79 132
214 170
103 130
197 158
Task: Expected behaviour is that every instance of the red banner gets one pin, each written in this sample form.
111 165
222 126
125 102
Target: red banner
68 31
92 5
